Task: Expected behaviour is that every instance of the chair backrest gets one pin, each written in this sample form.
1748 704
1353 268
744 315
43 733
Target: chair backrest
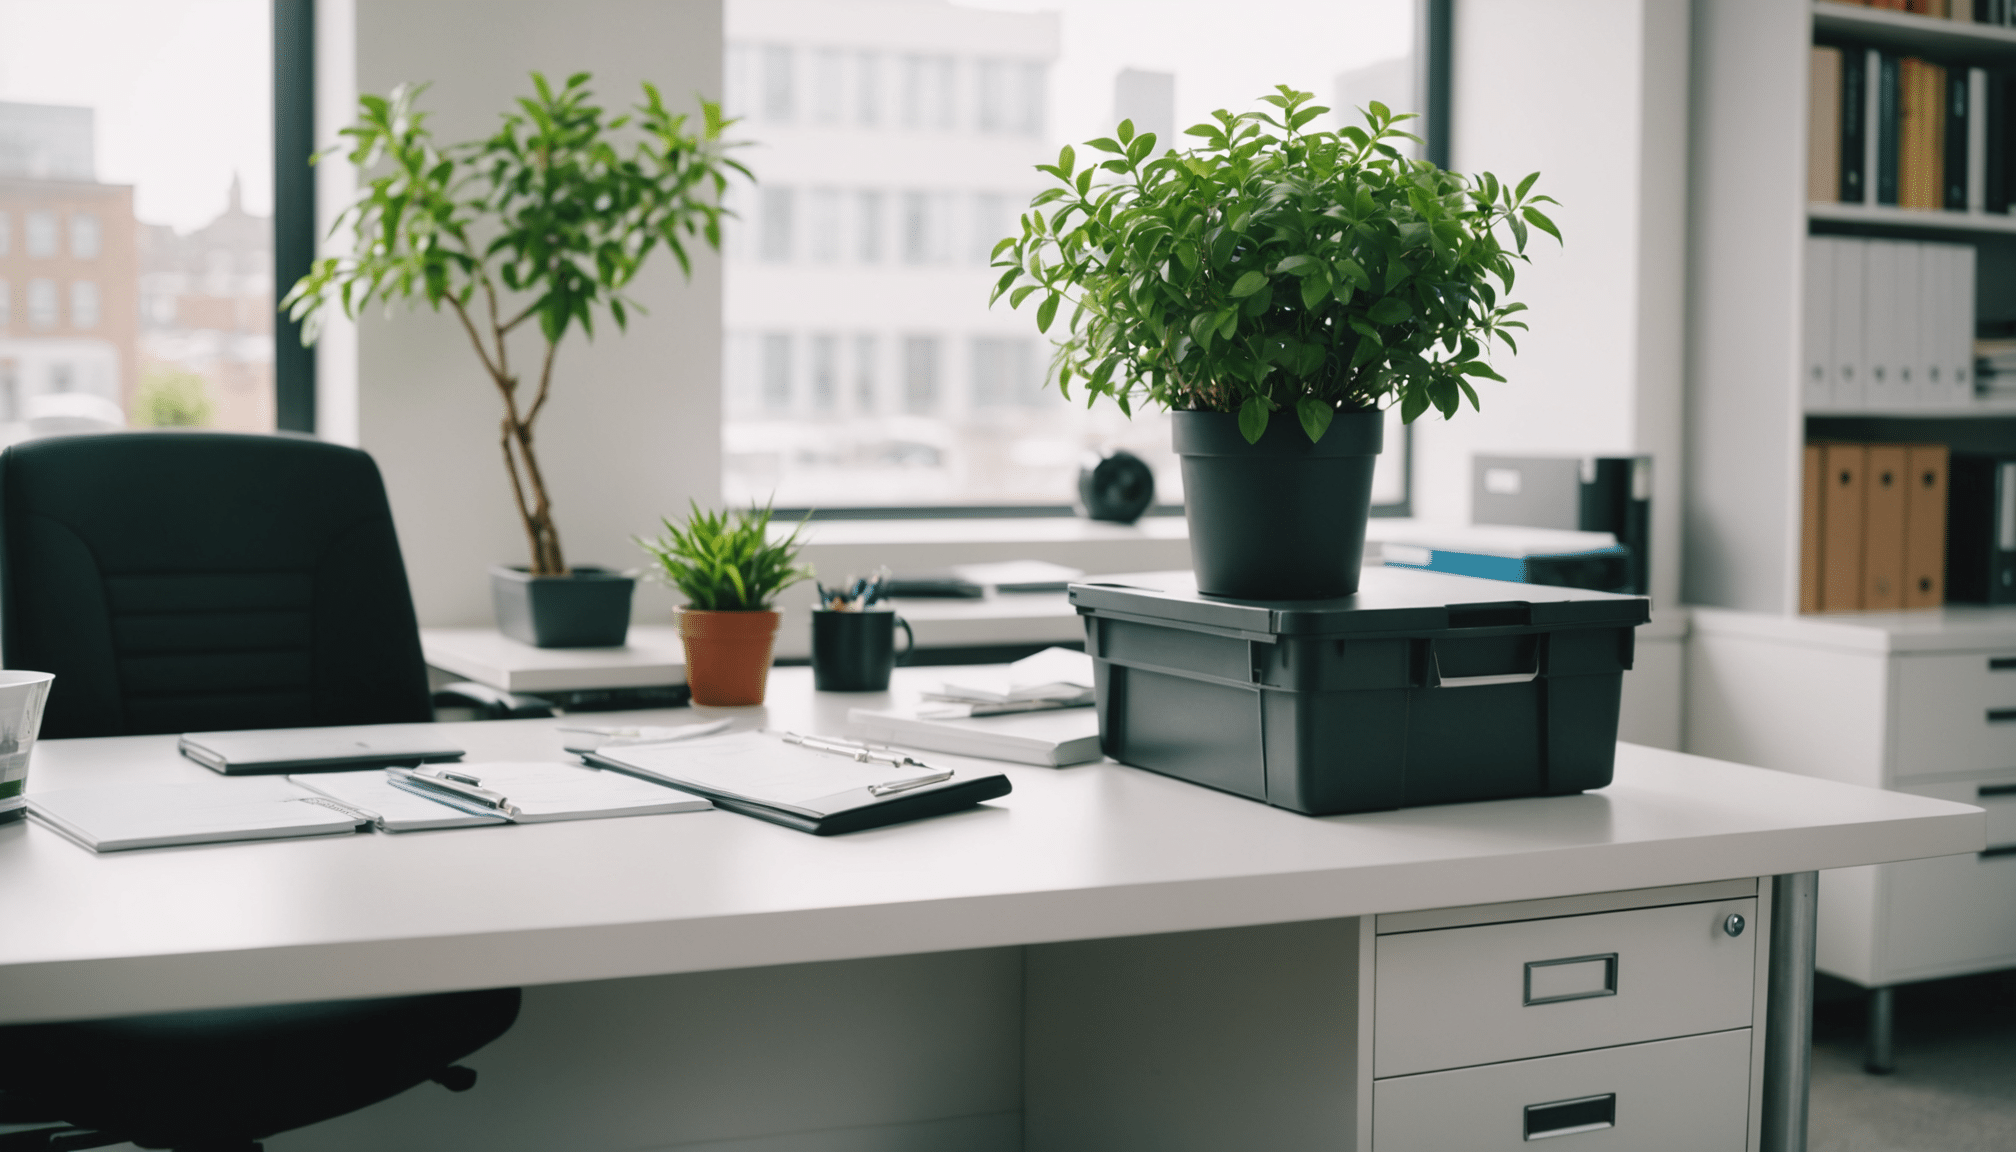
196 581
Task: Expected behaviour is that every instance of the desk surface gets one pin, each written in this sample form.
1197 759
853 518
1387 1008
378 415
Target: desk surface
1092 851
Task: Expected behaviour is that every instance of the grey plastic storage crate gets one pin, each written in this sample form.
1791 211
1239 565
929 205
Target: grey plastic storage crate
1423 688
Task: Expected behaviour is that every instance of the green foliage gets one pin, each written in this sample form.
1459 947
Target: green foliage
171 397
548 220
726 562
1271 268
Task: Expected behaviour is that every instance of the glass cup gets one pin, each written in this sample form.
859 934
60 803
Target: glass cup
22 695
854 651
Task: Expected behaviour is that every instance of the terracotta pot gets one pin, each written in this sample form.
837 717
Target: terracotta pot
727 654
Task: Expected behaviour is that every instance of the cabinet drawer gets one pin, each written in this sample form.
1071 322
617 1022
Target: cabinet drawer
1955 713
1690 1095
1462 996
1955 914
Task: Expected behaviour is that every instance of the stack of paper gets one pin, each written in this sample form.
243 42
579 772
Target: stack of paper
1019 575
1049 738
1052 678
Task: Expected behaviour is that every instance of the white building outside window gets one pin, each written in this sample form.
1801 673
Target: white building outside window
881 377
83 304
84 236
39 233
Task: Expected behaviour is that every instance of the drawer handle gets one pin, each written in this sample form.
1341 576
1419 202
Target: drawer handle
2002 715
2003 850
1996 790
1567 1117
1572 978
2002 663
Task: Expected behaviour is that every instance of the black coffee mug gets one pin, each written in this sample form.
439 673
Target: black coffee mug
854 651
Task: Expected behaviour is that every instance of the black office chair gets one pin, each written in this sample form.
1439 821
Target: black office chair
193 581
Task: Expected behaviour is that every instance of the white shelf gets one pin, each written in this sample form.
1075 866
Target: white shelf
1903 30
1892 217
2000 405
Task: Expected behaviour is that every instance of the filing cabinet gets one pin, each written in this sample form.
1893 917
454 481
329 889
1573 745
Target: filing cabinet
1622 1020
1604 1028
1920 702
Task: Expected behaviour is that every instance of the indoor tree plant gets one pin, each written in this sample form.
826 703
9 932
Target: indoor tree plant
542 225
730 572
1276 287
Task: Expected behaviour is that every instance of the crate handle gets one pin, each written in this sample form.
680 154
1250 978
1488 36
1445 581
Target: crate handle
1442 681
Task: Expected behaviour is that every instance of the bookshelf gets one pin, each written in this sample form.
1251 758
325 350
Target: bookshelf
1855 697
1750 218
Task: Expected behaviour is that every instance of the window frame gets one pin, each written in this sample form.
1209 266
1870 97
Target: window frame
294 229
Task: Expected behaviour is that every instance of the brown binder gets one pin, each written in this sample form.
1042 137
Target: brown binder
1883 527
1841 527
1809 531
1823 129
1925 526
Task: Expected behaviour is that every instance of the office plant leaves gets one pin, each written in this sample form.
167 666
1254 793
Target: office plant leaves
545 222
1270 268
726 562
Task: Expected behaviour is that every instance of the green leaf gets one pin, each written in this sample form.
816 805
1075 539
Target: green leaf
1389 310
1248 284
1315 290
1298 265
1315 415
1539 220
1107 144
1253 419
1479 368
1047 311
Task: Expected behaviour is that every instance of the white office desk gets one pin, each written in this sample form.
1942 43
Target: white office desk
1086 853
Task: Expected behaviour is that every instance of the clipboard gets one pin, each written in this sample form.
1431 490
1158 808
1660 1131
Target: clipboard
781 777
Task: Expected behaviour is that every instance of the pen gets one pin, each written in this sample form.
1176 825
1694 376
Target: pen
863 754
460 786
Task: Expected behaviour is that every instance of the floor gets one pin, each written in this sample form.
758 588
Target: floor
1955 1085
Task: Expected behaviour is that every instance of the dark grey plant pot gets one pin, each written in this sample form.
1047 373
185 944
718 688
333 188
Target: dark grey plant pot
587 608
1283 519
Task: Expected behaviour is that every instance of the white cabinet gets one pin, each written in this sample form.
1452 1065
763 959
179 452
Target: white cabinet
1921 702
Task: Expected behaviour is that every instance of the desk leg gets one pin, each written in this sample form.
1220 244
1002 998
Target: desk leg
1788 1038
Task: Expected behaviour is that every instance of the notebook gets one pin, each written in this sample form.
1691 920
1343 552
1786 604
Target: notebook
114 819
275 751
1050 737
1019 575
538 792
821 785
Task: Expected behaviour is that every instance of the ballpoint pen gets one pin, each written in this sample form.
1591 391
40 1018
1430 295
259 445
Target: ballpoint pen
863 754
452 786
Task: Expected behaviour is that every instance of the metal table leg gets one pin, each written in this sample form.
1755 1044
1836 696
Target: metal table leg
1788 1013
1881 1057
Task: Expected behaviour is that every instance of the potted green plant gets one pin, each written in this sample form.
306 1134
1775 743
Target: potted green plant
541 226
1275 287
730 572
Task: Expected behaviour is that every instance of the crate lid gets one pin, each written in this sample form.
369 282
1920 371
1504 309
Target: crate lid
1389 600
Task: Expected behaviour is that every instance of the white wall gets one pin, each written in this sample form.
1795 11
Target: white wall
633 428
1593 95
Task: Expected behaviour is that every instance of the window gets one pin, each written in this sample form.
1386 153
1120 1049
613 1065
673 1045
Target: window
829 86
1005 373
777 372
920 375
868 89
825 373
864 367
866 400
6 306
83 304
10 391
84 236
824 225
778 206
868 227
779 88
41 304
136 155
39 233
